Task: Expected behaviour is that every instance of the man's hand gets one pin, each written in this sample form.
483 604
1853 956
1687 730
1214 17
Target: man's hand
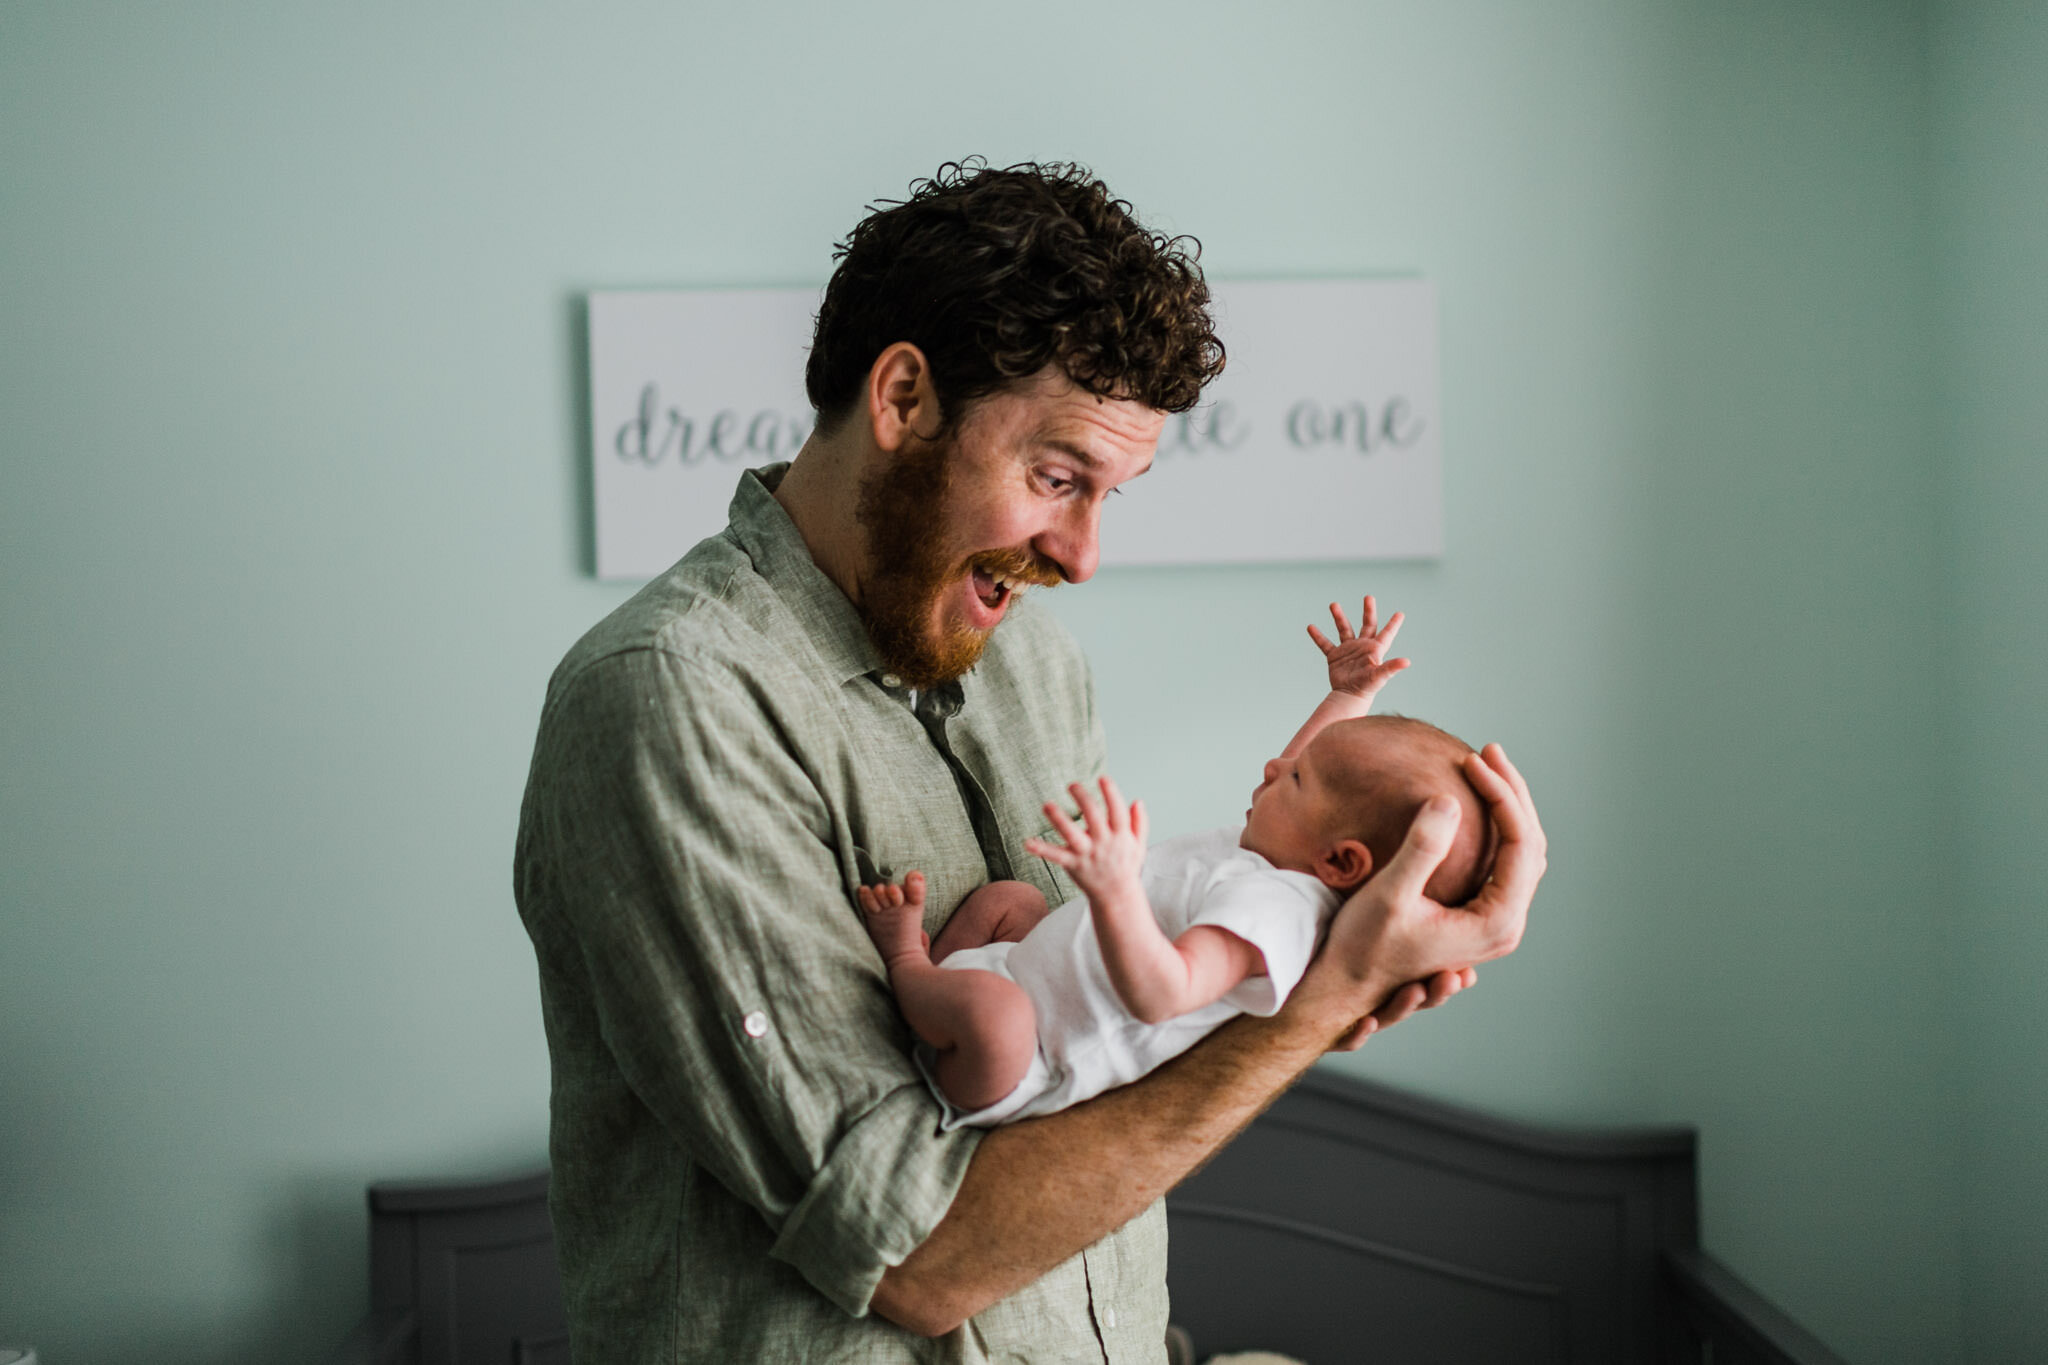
1358 660
1105 853
1393 950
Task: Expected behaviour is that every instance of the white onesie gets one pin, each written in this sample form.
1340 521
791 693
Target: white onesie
1087 1041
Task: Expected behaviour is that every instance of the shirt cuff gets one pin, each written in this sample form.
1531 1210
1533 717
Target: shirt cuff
888 1181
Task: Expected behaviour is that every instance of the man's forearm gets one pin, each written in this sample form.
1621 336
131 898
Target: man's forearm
1038 1192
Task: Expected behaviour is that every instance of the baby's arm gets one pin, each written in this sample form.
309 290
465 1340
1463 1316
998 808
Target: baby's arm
1156 978
1359 668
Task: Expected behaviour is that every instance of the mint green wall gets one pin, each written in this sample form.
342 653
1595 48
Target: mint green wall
1990 185
292 532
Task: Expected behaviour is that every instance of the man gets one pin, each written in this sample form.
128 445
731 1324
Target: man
846 684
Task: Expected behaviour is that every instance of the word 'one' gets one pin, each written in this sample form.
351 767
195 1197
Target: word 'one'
1311 424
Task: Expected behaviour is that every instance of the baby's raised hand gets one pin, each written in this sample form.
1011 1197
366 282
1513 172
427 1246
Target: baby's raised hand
1358 660
1105 852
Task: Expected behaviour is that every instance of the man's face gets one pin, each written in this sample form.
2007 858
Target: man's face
955 528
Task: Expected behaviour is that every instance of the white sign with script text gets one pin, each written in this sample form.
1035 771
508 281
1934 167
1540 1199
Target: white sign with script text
1321 440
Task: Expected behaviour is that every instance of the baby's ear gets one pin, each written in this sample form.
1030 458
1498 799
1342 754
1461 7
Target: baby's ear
1344 864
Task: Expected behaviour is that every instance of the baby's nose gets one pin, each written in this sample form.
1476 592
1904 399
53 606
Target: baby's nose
1272 769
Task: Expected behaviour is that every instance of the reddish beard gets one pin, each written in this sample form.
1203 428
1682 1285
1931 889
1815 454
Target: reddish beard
902 515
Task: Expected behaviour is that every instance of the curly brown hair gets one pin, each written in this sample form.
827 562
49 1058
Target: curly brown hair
994 274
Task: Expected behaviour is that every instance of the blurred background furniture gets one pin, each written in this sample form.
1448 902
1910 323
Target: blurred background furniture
1351 1222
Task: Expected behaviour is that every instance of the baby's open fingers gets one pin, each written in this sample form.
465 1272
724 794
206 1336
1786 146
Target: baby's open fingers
1063 825
1322 640
1059 855
1392 628
1344 631
1113 813
1090 816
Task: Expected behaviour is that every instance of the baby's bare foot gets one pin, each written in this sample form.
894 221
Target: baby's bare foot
894 916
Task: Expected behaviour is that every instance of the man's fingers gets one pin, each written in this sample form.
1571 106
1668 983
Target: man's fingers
1503 803
1497 759
1442 987
1140 826
1360 1031
1429 839
1401 1004
1518 864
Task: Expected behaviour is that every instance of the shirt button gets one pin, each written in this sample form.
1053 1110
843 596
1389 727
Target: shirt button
1109 1318
756 1024
891 681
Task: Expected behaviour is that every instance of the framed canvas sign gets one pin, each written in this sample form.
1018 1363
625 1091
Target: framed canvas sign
1321 440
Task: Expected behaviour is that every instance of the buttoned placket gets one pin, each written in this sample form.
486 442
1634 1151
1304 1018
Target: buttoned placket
933 707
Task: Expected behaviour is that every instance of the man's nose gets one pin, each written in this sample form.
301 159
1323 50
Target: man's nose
1074 542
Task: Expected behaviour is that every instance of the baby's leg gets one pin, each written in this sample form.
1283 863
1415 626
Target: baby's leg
981 1025
1001 912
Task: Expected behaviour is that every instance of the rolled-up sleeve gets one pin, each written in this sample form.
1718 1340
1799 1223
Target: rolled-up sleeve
698 873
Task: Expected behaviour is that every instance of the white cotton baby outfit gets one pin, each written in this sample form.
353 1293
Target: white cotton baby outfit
1087 1041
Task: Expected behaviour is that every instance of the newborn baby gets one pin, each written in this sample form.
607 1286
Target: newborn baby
1021 1012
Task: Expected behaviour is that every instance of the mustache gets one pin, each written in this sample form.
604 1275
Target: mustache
1022 565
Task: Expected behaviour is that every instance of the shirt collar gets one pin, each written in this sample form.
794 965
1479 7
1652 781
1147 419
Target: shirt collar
764 530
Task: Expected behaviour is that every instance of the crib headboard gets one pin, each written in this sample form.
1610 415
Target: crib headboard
1354 1222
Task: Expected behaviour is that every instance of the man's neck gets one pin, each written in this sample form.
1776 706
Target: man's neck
821 492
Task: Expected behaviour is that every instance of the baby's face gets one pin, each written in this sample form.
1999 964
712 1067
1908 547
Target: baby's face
1294 807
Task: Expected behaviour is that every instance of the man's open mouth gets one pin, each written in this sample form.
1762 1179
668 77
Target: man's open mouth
993 589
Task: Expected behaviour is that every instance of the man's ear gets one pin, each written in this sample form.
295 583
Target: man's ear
901 400
1344 864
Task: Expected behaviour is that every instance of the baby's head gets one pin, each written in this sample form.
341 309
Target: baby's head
1340 808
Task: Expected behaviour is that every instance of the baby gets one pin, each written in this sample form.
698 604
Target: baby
1020 1012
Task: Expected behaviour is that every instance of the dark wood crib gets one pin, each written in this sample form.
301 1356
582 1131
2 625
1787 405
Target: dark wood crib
1350 1223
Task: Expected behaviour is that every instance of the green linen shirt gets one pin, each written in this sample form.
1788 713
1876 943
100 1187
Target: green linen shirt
740 1142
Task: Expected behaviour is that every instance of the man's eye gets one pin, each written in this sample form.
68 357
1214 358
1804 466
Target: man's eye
1057 483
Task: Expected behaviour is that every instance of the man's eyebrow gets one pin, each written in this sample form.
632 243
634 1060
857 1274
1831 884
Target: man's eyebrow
1081 455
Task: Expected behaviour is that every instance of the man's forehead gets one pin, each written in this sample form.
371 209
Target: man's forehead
1096 431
